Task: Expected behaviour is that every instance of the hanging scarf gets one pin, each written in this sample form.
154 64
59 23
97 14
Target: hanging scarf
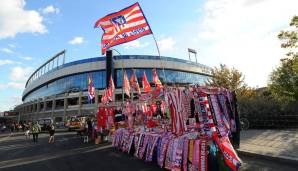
169 155
155 140
176 111
140 144
190 154
185 153
206 119
163 150
144 146
223 130
230 156
179 155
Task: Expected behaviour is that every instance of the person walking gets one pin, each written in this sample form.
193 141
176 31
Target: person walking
51 132
35 131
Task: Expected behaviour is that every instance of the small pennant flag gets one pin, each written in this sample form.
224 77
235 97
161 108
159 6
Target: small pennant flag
145 83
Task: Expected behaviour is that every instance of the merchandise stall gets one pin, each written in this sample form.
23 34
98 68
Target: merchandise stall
190 128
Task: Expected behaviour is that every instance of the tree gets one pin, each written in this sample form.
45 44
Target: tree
231 79
283 81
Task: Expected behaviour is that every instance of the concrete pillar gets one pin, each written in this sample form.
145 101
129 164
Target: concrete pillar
44 104
65 106
80 103
53 107
96 101
38 108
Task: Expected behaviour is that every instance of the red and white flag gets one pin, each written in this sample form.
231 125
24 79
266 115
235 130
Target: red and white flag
104 99
123 26
134 82
156 80
125 84
146 84
111 89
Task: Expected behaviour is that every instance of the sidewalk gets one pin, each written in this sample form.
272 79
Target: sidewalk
281 145
20 133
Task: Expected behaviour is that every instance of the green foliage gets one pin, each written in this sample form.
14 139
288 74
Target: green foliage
284 79
228 78
263 110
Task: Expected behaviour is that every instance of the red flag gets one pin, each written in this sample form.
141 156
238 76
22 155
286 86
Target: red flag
134 82
104 99
111 89
123 26
125 84
156 80
111 84
146 84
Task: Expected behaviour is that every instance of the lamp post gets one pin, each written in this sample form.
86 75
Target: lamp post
194 52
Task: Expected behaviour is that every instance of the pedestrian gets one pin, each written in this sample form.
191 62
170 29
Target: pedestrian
51 132
12 126
35 131
27 128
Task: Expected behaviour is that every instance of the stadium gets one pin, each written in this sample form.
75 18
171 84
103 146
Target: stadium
60 90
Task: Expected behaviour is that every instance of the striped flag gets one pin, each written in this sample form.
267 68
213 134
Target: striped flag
91 89
123 26
156 80
146 84
134 82
125 84
111 89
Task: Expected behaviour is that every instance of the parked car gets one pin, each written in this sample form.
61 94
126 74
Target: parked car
74 122
44 123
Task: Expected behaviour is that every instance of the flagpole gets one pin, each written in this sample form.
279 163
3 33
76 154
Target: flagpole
162 64
122 73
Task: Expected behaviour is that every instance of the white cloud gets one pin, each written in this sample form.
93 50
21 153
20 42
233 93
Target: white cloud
243 34
76 41
7 61
15 19
50 9
27 58
135 44
12 45
20 73
13 85
10 103
166 44
6 50
16 85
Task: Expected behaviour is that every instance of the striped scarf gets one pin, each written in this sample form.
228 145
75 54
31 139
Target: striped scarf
223 129
206 124
174 97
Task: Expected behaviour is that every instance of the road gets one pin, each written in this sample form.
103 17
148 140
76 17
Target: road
70 153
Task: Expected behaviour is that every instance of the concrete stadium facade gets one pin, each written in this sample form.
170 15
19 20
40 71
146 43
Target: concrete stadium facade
61 92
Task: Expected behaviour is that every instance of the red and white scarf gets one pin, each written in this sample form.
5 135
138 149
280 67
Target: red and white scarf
174 97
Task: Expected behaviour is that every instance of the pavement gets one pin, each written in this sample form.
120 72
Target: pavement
260 150
275 145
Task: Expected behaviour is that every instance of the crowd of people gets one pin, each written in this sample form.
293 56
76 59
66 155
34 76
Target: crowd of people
30 128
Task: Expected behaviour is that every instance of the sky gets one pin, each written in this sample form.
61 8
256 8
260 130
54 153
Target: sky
239 33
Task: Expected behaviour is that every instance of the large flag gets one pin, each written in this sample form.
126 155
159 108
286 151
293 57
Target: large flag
125 84
156 80
91 89
123 26
134 82
145 83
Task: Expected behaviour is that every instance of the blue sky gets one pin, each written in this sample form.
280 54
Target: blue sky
239 33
